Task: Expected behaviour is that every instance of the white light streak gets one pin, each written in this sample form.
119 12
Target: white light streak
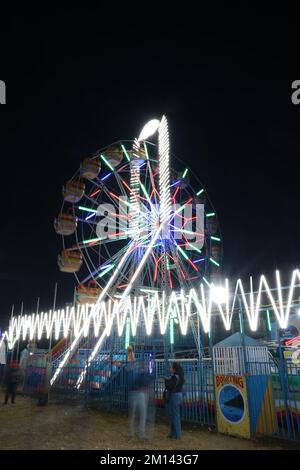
164 172
154 306
149 129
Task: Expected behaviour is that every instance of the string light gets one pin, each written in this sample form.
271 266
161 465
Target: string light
156 306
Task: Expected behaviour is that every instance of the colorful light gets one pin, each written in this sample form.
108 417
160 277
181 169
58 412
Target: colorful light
185 173
75 322
164 171
125 152
105 176
149 129
87 209
214 261
107 163
269 321
105 271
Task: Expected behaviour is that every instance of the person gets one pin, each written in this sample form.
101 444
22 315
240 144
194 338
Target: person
12 379
138 398
173 387
130 354
2 357
24 358
43 396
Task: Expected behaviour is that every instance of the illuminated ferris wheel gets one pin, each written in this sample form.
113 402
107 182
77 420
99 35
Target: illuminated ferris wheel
130 222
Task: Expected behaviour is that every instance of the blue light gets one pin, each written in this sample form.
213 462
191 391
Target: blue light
106 176
105 266
90 216
174 184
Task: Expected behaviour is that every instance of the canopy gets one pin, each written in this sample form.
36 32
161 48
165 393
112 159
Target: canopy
237 340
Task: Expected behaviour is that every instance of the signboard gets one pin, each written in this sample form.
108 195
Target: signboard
232 405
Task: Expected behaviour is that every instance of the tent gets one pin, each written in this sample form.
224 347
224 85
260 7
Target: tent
237 340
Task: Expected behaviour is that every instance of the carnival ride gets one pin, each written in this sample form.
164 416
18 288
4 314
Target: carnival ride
131 224
143 242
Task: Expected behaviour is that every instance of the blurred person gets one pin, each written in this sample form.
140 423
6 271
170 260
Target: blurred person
2 356
12 379
130 354
173 398
43 396
139 388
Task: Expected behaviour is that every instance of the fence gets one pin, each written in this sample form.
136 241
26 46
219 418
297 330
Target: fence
272 382
273 388
108 381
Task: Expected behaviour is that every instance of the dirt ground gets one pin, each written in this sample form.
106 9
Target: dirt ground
25 425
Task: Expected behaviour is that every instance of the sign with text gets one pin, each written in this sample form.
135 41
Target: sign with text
232 405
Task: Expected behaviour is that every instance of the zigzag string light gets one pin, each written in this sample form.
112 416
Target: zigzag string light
152 307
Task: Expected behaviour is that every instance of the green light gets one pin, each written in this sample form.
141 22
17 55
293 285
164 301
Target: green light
179 209
86 209
171 330
189 232
107 162
194 248
127 333
106 270
185 172
91 240
241 324
214 261
168 263
217 239
127 203
125 152
145 192
146 151
210 214
206 281
269 321
199 192
182 252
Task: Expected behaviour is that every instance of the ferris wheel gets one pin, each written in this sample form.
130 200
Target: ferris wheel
134 218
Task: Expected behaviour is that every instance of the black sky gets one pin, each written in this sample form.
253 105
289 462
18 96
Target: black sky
77 81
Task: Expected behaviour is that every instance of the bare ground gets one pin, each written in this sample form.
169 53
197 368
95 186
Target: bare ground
28 426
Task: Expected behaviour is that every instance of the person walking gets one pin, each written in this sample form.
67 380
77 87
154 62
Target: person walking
12 379
138 398
173 387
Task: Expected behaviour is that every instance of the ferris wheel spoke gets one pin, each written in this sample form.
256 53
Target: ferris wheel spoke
152 195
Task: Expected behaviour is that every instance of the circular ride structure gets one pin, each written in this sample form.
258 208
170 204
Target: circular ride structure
130 222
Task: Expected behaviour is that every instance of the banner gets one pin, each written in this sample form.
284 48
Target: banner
232 405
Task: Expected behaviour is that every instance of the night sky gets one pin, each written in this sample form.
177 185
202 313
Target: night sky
77 81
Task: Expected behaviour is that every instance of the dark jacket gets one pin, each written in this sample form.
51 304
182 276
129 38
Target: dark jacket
12 376
174 384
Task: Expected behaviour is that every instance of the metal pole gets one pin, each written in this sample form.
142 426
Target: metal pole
199 337
284 383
